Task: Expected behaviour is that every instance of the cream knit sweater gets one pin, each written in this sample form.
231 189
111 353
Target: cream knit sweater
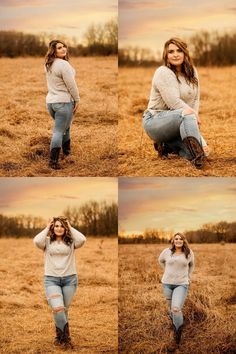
177 269
61 83
59 258
169 94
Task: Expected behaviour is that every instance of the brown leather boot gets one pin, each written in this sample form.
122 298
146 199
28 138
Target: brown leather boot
178 334
66 148
162 150
66 337
59 337
54 157
196 151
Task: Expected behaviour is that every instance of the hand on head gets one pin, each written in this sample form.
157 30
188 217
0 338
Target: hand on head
53 219
50 222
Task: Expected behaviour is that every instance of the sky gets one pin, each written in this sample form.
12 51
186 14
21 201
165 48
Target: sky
148 24
175 204
49 196
70 18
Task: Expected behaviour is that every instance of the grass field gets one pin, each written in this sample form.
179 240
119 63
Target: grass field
137 156
26 319
26 126
210 308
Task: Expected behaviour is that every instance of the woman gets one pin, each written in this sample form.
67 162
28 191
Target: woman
62 98
59 241
177 262
171 119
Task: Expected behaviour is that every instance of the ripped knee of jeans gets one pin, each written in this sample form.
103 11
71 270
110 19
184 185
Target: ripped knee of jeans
176 310
54 296
58 309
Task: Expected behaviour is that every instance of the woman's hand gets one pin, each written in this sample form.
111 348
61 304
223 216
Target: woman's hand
199 122
76 107
68 223
50 222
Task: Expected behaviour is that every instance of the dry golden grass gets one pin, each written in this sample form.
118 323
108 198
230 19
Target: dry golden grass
210 308
136 154
26 319
26 126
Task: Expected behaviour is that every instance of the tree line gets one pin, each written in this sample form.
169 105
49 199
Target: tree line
220 232
98 39
92 218
206 48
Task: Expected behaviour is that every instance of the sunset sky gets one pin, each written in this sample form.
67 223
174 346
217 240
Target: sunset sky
49 196
149 24
70 18
175 204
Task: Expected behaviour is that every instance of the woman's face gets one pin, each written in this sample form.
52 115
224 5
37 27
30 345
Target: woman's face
61 50
175 55
178 241
58 229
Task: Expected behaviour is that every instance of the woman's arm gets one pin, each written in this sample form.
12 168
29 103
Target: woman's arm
40 239
166 82
191 266
162 260
78 238
69 80
197 97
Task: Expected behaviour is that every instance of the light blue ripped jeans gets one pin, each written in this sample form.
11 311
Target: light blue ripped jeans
62 113
171 127
59 292
176 296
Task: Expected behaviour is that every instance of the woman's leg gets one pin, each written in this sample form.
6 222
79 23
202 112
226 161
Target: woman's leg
66 136
167 126
168 290
170 127
62 117
55 299
178 298
68 294
163 126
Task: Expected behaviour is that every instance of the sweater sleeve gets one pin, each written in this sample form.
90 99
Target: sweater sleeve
161 259
78 238
166 82
191 266
40 239
197 97
69 80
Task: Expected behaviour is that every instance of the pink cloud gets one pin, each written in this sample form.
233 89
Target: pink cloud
124 4
22 3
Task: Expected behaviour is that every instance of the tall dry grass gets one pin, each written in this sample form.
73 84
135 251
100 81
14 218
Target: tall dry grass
26 319
210 308
217 111
26 126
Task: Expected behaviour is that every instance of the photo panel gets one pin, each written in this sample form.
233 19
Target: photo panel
176 265
59 88
176 88
59 265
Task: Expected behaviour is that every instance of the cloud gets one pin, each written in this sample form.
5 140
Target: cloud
176 201
23 3
143 5
66 26
67 197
